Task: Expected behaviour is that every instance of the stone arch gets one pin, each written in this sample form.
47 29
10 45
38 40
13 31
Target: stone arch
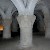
43 7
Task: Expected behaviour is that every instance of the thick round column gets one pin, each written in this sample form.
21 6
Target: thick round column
26 24
6 31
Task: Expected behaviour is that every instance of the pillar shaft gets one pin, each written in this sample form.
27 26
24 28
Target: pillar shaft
26 37
6 31
26 24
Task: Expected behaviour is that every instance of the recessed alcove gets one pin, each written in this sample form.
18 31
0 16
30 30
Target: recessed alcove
38 27
15 29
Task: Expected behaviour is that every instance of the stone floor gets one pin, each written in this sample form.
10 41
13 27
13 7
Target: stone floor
39 43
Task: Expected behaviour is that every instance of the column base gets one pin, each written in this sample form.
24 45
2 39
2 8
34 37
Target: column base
26 46
6 36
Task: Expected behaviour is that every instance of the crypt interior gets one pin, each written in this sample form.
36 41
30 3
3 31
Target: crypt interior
24 25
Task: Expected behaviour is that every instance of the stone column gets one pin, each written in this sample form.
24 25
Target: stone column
6 31
26 23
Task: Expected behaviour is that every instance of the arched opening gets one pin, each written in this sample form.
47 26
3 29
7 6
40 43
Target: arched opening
15 29
39 25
